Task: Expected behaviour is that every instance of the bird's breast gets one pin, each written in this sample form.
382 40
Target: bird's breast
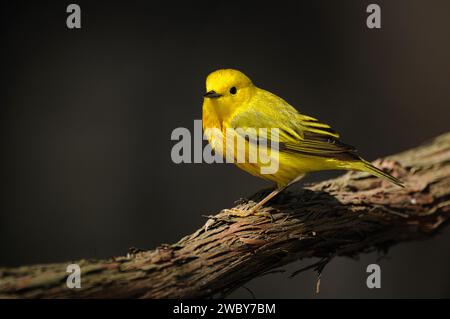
212 126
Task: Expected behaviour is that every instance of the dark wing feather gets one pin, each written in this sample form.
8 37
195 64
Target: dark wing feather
323 146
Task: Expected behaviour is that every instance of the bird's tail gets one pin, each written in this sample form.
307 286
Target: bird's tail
369 168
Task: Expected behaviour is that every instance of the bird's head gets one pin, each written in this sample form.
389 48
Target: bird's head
227 89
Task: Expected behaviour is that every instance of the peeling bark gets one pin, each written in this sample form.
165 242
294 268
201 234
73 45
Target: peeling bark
346 216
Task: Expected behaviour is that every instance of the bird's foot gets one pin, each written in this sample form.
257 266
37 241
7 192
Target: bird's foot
245 213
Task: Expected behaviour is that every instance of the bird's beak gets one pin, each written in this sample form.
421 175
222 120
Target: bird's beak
212 94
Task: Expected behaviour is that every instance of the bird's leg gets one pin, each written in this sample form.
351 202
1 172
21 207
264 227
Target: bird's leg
252 211
266 199
274 193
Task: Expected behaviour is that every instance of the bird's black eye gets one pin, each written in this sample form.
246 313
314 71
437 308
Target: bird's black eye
233 90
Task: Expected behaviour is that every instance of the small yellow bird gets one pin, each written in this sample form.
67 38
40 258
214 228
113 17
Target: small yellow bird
305 144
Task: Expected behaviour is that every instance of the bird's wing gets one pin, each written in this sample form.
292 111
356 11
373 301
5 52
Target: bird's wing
297 133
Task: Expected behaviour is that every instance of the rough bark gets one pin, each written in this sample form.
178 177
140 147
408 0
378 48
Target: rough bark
346 216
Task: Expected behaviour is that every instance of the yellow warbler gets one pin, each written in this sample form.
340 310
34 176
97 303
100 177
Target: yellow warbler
305 144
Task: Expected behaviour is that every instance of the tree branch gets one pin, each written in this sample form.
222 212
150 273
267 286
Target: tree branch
346 216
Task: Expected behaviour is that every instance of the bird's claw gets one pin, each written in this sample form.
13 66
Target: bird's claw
245 213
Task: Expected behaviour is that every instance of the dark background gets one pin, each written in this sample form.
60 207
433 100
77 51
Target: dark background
87 117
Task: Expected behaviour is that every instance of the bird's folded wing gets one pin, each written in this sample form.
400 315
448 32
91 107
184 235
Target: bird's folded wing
316 145
297 134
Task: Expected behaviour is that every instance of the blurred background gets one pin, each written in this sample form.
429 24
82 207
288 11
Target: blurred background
87 115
